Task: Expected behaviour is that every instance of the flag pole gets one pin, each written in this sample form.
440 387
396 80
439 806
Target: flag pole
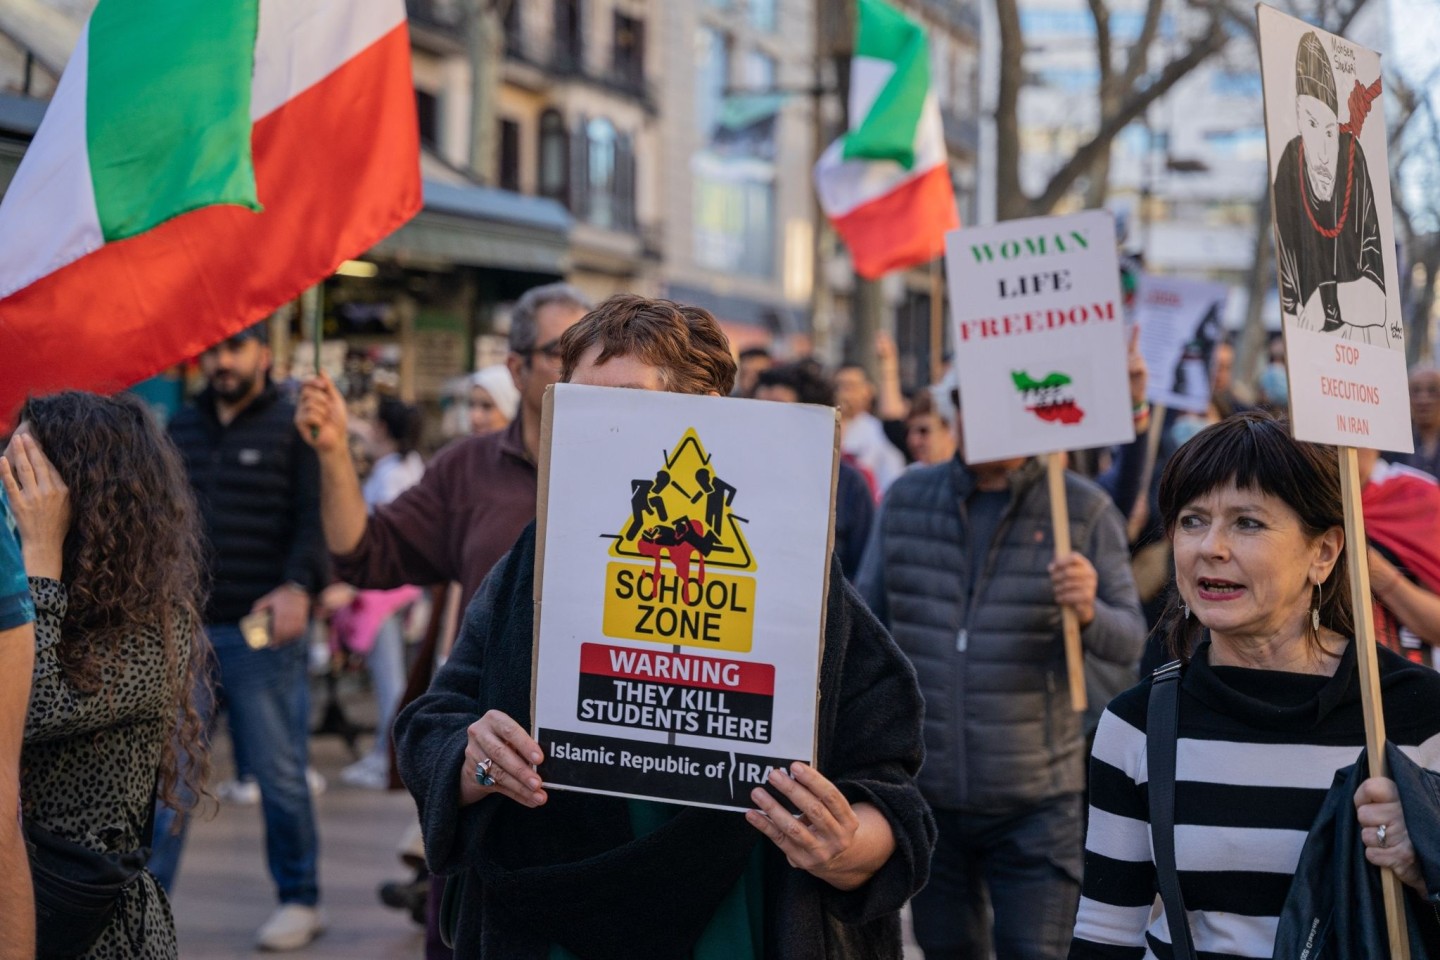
1367 663
310 320
1060 521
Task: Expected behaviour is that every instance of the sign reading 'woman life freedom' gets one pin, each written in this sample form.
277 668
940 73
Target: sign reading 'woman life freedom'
684 552
1334 236
1039 336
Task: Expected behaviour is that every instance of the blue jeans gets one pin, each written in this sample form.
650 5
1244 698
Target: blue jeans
265 691
1025 865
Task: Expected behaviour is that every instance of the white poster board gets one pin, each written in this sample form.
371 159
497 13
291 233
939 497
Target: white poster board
680 591
1334 236
1039 336
1181 322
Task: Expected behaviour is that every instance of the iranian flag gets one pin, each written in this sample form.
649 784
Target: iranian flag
200 164
885 184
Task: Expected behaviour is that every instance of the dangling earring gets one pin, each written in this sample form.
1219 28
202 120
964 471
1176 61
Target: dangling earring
1315 610
1187 610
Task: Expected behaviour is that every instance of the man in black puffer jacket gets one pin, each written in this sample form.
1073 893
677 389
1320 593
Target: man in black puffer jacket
258 487
961 569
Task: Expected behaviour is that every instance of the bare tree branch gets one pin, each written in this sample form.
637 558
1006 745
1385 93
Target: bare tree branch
1140 51
1134 105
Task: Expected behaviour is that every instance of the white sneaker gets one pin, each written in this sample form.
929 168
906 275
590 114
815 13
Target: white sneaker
291 927
242 793
315 780
369 773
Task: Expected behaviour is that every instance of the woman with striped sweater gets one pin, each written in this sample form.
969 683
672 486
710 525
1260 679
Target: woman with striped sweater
1269 706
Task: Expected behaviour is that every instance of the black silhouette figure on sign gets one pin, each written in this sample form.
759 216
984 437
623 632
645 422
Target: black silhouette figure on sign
645 498
718 495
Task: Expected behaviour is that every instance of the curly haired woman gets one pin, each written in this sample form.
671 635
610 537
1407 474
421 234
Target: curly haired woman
111 543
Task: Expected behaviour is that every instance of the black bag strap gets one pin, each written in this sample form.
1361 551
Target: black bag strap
1162 726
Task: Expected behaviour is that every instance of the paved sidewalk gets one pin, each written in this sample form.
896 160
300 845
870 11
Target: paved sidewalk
224 892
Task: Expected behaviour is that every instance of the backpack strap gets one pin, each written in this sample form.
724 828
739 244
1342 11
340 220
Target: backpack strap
1161 732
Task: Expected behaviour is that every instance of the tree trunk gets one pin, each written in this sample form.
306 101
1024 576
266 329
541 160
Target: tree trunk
1253 338
1010 199
1419 346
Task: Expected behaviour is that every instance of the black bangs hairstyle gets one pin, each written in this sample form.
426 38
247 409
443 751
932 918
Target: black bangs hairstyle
1256 452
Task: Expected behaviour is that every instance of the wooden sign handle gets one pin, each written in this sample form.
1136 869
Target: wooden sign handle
1366 662
1060 521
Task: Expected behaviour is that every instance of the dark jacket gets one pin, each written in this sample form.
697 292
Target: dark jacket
1335 909
258 486
572 872
1000 733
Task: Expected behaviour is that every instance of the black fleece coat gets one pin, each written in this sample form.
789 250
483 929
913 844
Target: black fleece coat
1335 909
571 872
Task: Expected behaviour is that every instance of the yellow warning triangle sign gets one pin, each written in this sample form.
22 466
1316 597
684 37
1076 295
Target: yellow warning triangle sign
684 508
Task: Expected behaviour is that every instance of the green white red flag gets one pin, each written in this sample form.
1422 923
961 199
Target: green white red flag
199 165
885 184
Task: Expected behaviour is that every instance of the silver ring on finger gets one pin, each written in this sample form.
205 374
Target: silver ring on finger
1380 834
482 772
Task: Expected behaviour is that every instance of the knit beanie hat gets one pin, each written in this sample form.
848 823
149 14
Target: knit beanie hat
1313 76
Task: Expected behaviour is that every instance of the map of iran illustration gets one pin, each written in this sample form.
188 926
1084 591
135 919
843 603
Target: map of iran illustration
1051 399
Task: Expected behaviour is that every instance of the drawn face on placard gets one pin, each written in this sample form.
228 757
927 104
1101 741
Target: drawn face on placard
1319 130
1328 222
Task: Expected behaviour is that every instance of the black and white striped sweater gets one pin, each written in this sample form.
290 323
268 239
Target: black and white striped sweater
1257 753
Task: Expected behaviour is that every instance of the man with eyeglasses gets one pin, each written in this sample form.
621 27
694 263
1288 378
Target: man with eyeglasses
477 494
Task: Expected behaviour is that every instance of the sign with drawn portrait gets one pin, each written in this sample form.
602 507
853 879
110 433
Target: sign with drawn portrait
1039 336
1181 323
680 591
1334 236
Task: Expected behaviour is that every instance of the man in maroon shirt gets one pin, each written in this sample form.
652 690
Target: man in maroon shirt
476 495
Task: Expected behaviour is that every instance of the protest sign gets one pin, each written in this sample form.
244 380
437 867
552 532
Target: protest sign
684 553
1181 322
1339 298
1334 236
1040 353
1039 336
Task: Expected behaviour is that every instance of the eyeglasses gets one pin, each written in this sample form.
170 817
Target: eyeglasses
550 350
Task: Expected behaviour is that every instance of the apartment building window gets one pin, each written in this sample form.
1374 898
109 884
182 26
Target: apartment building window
514 30
758 71
509 166
427 109
628 56
569 36
554 157
735 217
600 172
712 75
762 14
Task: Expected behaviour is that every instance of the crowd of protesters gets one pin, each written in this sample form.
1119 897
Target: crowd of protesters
150 583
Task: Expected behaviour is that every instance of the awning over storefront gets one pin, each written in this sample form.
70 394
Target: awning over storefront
484 227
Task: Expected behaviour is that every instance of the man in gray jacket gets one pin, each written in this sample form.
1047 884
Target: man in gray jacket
961 569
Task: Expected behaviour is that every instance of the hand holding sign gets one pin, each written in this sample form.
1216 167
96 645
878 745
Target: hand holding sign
499 747
830 839
1075 582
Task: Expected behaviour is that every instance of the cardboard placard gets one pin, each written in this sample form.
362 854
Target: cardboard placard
684 554
1181 321
1334 236
1039 336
